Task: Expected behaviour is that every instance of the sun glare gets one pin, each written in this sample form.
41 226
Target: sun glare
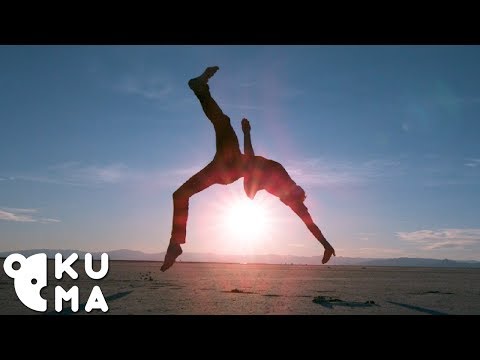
246 218
237 224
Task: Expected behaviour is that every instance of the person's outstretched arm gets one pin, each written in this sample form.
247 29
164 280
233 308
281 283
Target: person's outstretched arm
247 141
249 181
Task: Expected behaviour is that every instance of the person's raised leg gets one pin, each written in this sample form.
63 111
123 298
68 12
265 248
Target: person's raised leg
301 210
227 145
199 86
198 182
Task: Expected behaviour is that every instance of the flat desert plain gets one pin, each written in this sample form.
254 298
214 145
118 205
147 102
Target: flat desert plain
135 287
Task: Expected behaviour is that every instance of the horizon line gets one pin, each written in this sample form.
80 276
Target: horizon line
220 254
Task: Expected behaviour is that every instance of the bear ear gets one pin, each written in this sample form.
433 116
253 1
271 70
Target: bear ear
8 264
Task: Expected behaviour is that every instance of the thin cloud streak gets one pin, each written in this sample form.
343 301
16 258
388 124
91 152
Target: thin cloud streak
319 172
445 171
472 162
151 89
23 216
76 174
442 238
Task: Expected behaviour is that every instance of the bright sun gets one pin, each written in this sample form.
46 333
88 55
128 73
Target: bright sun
246 219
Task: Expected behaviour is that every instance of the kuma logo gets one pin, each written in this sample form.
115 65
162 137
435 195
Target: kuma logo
30 277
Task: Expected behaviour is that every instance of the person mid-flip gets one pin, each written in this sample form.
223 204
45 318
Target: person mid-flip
227 166
265 174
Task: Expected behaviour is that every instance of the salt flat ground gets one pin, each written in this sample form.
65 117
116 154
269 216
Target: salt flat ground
205 288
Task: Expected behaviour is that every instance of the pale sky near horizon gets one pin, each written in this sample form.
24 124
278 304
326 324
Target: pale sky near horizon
384 139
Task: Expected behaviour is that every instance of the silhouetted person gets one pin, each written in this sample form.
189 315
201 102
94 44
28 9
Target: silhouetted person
265 174
227 166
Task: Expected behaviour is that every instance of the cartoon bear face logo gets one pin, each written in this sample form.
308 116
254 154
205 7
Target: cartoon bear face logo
29 279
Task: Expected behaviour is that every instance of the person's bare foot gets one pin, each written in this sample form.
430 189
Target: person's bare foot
173 251
196 84
329 251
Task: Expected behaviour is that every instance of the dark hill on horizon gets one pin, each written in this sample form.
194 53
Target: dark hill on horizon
125 254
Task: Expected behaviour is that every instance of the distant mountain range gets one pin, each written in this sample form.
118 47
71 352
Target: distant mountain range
124 254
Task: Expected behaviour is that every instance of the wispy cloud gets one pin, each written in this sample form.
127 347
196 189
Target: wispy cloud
48 220
78 174
423 111
442 238
75 173
313 172
447 171
445 96
96 174
472 162
151 88
320 172
454 100
24 215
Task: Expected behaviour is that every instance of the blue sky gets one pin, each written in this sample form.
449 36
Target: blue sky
384 139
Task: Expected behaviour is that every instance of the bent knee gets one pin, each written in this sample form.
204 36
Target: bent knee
179 194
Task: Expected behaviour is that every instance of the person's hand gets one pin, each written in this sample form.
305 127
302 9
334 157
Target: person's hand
245 125
329 251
